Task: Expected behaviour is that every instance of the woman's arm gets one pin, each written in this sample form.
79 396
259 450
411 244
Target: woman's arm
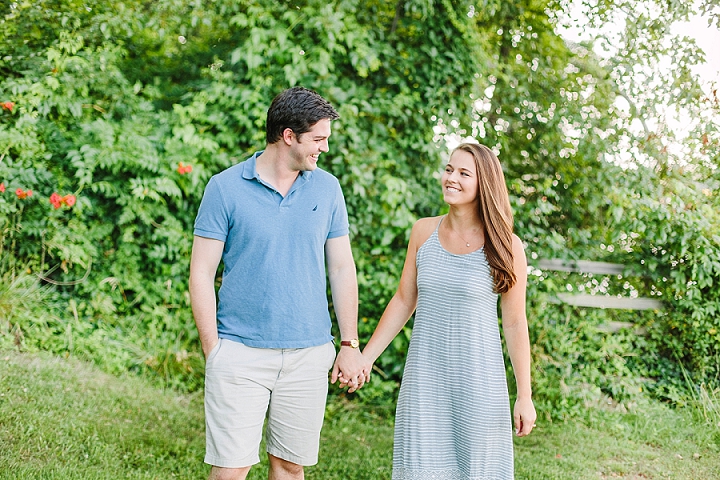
515 329
403 303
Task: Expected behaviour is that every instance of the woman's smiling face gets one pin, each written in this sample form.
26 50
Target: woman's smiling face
459 181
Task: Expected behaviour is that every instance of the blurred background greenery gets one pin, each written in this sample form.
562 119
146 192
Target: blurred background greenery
125 109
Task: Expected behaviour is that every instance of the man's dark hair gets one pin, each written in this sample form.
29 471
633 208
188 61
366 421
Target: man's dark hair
297 109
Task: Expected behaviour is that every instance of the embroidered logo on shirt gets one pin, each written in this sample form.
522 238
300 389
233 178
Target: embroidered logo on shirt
314 209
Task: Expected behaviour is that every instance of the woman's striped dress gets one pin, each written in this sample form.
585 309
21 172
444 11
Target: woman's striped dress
453 417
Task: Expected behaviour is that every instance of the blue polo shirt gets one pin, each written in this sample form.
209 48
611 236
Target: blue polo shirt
274 291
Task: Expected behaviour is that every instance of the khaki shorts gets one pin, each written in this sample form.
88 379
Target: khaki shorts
243 385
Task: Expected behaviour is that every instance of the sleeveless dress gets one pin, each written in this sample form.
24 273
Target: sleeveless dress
453 417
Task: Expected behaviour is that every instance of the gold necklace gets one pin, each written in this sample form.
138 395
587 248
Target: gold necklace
467 244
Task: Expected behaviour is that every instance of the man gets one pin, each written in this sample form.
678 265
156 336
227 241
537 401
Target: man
276 221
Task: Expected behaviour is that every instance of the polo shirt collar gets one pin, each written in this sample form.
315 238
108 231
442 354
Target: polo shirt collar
250 171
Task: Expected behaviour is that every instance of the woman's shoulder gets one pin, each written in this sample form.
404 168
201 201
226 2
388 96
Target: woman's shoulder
518 249
517 242
423 228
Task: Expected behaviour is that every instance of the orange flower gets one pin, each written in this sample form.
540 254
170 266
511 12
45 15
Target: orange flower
8 105
57 201
2 187
183 169
23 194
69 200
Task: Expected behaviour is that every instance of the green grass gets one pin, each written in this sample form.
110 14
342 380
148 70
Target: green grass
649 442
64 419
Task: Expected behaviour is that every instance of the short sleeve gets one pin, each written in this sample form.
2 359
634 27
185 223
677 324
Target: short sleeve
339 224
212 218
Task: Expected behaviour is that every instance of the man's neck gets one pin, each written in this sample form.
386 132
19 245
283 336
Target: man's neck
272 167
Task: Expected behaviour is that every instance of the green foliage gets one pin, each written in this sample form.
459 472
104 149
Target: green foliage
665 231
129 108
674 235
119 255
24 304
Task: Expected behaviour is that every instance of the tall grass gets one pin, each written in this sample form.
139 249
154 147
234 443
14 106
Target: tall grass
704 403
26 309
38 317
710 405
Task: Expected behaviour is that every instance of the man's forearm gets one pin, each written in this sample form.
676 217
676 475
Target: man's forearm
343 284
206 254
202 299
348 364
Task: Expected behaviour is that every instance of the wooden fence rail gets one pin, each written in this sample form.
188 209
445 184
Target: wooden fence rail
598 301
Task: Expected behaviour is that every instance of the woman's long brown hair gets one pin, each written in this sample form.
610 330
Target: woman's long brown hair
495 214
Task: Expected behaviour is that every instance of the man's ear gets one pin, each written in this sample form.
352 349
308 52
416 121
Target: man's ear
287 136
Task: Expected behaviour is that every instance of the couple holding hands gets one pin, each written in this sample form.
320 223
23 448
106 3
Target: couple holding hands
280 226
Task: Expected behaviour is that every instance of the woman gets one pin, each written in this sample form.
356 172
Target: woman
453 415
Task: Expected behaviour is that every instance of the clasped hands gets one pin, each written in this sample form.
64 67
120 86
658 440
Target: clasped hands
351 369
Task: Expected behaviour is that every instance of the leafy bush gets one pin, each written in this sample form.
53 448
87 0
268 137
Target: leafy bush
115 117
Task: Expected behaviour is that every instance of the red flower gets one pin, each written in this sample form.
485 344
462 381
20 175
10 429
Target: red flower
7 106
55 199
2 187
183 169
69 200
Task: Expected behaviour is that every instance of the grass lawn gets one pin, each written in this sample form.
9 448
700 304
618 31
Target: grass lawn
652 442
63 419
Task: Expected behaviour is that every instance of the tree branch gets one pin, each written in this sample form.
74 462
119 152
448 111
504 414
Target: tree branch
398 14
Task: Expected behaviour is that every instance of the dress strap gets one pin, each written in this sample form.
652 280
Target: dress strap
437 227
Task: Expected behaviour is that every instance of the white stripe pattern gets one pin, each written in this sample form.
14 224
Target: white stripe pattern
453 416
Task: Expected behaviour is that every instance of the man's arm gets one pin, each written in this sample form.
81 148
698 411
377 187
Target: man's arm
206 255
344 288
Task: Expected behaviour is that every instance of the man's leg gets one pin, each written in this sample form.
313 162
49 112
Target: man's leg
238 380
283 470
297 407
219 473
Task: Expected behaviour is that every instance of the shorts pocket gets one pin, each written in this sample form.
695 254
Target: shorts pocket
331 355
214 352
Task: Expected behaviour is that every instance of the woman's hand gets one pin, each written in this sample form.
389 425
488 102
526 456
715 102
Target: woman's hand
524 416
366 366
